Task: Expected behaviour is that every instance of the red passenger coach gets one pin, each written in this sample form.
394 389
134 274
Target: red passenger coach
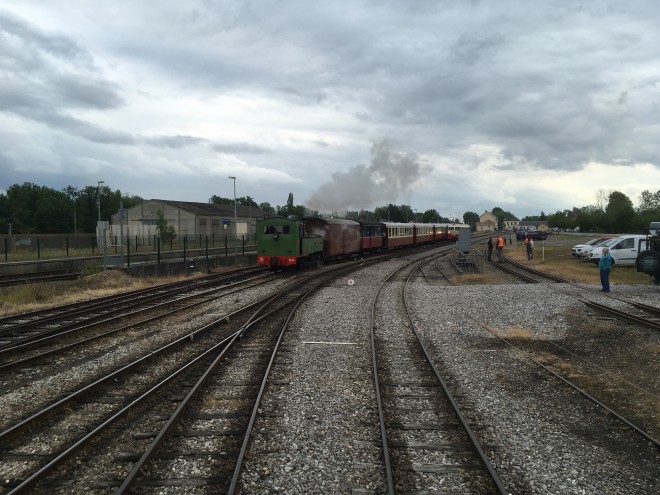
372 236
399 235
342 237
424 232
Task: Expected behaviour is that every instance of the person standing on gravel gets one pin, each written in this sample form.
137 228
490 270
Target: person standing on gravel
490 248
605 265
500 247
530 249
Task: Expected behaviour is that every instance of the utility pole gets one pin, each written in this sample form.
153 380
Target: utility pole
98 191
235 219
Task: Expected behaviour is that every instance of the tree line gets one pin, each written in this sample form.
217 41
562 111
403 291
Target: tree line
30 208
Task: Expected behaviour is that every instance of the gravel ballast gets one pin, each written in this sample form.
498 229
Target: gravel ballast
318 429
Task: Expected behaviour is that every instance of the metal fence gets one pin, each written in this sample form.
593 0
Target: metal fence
29 247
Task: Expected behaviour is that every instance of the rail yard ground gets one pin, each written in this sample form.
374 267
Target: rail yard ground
552 255
489 333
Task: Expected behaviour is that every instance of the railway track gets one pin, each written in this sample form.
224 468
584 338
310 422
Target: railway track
209 375
33 278
154 448
612 392
427 441
25 327
42 349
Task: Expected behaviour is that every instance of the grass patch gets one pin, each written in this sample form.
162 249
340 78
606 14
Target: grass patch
27 294
33 297
554 256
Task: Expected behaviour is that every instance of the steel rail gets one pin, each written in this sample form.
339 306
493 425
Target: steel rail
29 359
475 443
583 392
80 443
654 325
259 315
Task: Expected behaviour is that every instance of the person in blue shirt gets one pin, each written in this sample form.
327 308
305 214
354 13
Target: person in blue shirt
605 265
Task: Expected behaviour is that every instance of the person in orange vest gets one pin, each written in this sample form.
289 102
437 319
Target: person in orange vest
499 247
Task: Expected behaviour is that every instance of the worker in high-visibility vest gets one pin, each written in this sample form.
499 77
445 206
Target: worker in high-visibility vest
499 247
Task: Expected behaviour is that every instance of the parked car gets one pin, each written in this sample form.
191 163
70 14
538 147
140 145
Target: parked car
537 235
623 249
584 250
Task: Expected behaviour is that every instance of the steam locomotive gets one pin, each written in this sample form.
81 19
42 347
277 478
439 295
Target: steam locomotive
283 242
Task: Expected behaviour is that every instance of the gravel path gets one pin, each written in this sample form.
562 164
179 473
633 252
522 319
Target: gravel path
318 431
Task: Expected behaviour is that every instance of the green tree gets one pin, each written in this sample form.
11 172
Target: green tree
166 231
218 200
560 220
267 207
620 212
430 216
649 201
591 219
471 218
503 215
289 205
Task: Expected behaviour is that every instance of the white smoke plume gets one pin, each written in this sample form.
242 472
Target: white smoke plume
388 177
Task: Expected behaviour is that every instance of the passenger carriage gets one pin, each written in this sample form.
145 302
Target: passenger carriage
341 236
454 229
399 235
372 236
424 232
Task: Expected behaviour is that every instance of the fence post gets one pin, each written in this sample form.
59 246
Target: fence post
185 245
243 244
6 249
67 246
158 243
206 241
128 252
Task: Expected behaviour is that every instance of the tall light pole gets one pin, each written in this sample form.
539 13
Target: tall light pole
235 219
98 191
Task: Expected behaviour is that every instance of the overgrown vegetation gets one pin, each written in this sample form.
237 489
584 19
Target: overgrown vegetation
166 231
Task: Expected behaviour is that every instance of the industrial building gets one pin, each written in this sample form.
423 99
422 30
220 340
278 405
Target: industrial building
188 218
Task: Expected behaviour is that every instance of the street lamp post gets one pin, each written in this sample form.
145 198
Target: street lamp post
98 191
235 219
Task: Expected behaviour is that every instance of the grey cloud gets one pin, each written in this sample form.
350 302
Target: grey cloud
174 142
50 71
75 91
239 148
55 44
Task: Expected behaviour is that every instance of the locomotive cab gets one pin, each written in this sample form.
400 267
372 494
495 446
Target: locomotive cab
283 243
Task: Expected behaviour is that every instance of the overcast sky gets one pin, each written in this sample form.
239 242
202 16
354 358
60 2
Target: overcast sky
453 105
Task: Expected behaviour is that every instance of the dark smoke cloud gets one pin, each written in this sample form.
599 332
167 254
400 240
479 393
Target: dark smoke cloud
388 177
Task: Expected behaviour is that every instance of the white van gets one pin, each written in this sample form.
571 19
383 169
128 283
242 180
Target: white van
623 249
